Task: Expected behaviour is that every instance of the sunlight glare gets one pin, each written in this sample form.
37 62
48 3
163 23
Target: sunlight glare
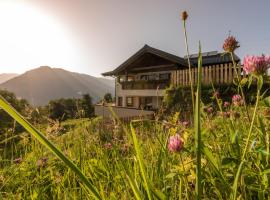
30 38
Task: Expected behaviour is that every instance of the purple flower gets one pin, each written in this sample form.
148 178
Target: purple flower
237 100
175 143
230 44
210 110
256 64
185 123
17 161
226 114
226 104
108 146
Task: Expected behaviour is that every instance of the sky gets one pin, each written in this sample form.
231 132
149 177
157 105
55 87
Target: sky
95 36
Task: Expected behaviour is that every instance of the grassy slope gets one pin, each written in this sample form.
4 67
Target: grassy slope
115 171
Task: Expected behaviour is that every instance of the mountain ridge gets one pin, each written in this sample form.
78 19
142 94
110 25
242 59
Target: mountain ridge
7 76
42 84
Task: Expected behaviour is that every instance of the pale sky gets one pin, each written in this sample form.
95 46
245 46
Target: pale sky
94 36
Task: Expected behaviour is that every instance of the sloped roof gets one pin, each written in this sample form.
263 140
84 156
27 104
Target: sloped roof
208 58
181 62
212 58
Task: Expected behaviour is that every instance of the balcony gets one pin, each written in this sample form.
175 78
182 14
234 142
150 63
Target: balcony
145 85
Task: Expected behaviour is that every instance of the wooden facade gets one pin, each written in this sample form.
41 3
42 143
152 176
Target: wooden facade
216 74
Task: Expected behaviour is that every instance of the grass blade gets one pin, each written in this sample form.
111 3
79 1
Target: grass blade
197 116
43 140
140 160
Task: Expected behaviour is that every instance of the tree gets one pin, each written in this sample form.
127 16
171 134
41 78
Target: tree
87 106
21 105
108 97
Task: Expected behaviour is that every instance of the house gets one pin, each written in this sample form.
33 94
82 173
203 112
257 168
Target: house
140 82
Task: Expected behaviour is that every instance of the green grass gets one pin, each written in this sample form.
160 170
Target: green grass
132 161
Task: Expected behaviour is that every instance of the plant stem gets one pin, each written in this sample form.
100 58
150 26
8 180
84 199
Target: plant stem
252 123
246 146
189 66
197 116
240 86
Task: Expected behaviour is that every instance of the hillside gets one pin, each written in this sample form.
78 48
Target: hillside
43 84
6 77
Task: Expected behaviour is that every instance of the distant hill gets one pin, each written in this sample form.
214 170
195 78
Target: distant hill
43 84
6 77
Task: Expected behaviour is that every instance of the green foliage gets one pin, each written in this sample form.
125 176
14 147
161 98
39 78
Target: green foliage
108 98
63 109
19 104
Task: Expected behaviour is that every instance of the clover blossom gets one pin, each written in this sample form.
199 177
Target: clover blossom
256 64
175 143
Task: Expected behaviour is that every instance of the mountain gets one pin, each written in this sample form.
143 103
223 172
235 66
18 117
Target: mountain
43 84
6 77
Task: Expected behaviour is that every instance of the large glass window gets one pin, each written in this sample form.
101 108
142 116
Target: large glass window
129 101
165 76
120 101
130 78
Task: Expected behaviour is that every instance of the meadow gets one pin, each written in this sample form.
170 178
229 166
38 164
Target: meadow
107 155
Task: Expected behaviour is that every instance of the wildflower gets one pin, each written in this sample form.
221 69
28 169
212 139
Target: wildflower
256 64
185 123
42 162
237 100
175 143
210 110
226 104
225 114
230 44
184 15
108 146
17 161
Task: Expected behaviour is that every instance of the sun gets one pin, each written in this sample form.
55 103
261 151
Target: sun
30 37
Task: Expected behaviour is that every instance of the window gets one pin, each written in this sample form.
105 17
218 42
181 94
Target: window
129 101
130 78
121 79
120 101
151 77
144 77
148 77
165 76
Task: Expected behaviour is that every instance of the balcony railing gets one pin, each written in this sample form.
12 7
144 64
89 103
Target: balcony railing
145 85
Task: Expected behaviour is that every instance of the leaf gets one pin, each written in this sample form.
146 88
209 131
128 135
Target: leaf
43 140
267 171
140 160
134 188
260 82
212 160
250 80
243 82
267 101
235 184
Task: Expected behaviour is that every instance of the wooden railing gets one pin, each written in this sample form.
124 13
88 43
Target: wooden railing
216 74
145 85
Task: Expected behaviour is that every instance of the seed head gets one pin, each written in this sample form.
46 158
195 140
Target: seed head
184 15
230 44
